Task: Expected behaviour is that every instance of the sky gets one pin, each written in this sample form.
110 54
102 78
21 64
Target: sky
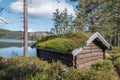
40 13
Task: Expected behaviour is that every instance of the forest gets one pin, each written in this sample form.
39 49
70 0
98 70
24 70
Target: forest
92 16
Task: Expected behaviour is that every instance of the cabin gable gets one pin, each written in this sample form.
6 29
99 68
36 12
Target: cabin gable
90 55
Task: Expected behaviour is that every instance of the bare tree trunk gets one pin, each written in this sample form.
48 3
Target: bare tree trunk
25 28
92 23
57 30
118 30
110 40
117 38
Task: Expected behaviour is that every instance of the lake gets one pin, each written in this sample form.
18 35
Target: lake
10 48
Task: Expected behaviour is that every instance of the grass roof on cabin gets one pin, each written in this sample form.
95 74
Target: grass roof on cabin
64 43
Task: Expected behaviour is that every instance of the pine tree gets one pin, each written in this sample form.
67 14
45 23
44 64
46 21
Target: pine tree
62 22
57 21
100 15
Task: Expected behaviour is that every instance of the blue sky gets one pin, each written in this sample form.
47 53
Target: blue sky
40 17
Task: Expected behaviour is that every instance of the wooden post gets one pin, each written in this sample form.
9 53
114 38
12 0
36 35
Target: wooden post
104 56
25 28
38 54
74 61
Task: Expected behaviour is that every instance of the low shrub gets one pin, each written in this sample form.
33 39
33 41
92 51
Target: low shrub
32 68
115 57
115 53
115 50
22 67
2 62
90 74
103 65
117 64
105 69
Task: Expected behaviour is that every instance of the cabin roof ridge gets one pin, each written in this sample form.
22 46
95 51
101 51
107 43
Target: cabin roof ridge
92 38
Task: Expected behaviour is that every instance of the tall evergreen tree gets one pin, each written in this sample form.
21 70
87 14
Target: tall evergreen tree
62 22
57 21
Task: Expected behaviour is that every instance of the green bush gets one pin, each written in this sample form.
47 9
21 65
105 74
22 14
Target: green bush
115 53
115 57
22 67
89 74
117 62
103 65
2 62
115 50
104 70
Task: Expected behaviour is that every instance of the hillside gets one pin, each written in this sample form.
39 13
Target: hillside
7 34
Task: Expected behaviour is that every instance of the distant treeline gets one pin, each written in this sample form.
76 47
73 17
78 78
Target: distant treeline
7 34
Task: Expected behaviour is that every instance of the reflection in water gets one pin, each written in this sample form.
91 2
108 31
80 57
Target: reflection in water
14 41
8 49
7 45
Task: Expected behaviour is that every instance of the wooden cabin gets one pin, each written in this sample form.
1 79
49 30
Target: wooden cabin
82 57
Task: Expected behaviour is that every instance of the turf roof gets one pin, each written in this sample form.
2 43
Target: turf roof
64 43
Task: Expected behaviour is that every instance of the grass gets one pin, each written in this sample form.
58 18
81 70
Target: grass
64 43
59 44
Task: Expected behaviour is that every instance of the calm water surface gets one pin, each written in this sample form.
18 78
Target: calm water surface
10 47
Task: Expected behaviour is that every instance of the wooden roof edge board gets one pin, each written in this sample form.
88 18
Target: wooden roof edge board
99 36
77 51
104 41
93 37
52 50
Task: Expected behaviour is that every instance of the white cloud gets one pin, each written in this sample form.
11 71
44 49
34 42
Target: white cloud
0 0
43 8
3 20
30 30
